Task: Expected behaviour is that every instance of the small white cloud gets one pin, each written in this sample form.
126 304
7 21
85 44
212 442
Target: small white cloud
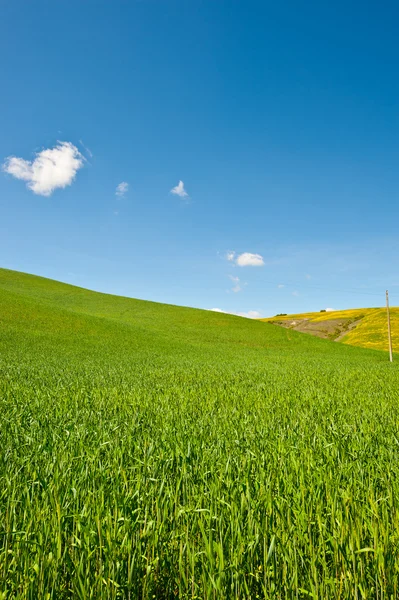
51 169
330 309
295 293
237 287
251 314
121 189
307 276
280 286
247 259
179 190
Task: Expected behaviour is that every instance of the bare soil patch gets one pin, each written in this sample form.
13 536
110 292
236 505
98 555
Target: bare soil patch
332 329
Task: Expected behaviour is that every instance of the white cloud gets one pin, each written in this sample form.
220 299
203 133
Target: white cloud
179 190
280 286
295 293
247 259
51 169
121 189
251 314
236 280
307 276
330 309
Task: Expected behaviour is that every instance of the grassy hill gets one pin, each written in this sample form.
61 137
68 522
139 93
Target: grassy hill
154 451
364 327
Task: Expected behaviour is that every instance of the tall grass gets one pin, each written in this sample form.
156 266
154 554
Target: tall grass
143 460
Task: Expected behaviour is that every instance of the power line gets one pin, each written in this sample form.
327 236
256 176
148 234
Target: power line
326 289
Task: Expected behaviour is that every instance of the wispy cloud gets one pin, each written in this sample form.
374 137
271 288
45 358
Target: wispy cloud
251 314
51 168
295 293
121 189
88 151
307 276
236 280
281 286
246 259
179 190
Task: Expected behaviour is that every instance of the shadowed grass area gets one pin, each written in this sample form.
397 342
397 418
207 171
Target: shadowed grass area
154 451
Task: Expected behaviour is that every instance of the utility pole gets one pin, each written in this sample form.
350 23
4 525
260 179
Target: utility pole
389 327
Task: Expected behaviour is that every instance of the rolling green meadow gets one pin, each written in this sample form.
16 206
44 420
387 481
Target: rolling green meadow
154 451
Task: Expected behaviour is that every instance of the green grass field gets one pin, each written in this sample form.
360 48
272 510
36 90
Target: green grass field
152 451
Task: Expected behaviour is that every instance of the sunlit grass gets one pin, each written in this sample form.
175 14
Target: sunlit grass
370 332
150 451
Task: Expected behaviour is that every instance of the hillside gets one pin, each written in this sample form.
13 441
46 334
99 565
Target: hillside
364 327
42 309
153 451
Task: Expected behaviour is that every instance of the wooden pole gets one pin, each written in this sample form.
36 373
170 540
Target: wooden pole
389 327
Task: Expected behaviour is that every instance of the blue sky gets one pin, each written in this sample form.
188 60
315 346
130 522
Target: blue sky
280 119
